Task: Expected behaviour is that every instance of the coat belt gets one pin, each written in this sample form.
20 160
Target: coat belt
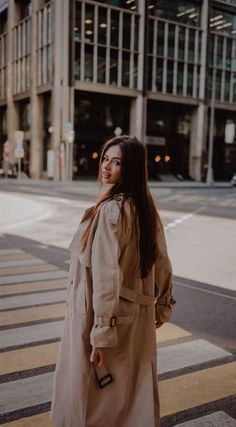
134 296
114 320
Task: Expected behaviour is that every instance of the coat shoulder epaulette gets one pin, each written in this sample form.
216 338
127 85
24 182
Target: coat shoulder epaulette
113 209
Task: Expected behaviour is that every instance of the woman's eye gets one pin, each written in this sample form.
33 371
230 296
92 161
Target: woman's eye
116 162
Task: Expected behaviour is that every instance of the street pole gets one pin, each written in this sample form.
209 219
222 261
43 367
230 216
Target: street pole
210 172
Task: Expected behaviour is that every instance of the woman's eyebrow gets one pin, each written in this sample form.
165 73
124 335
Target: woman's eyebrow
118 158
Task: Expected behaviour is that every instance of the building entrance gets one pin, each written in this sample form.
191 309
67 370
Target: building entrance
168 139
96 118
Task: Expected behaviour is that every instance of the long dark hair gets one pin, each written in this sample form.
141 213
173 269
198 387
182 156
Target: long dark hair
133 182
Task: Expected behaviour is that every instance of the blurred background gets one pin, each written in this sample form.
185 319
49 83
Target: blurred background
75 73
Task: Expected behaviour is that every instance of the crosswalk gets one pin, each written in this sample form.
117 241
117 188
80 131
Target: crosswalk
196 377
201 200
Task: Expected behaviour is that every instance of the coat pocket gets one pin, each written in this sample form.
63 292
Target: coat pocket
80 298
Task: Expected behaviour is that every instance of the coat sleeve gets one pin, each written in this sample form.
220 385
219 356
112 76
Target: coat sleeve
107 275
163 280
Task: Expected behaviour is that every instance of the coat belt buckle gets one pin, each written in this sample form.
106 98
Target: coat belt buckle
113 321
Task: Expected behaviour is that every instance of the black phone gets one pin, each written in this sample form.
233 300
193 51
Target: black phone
104 378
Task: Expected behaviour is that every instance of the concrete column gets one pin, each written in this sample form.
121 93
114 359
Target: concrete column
199 116
12 107
198 133
62 95
36 102
138 106
138 117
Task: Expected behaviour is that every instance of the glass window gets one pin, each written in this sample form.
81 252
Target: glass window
160 39
191 45
77 61
102 25
101 70
125 68
180 78
170 68
49 62
123 4
227 86
126 30
218 84
228 53
159 75
149 71
113 67
49 29
190 80
222 21
171 41
114 28
209 82
219 55
135 74
89 23
88 66
136 35
77 28
151 35
234 87
211 50
179 11
181 43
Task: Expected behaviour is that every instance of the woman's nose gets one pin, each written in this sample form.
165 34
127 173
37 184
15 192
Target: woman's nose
108 165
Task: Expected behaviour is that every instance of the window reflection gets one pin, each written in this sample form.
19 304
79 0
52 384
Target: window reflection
105 41
89 23
102 25
222 21
180 11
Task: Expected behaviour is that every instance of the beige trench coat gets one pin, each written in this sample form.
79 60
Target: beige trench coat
104 282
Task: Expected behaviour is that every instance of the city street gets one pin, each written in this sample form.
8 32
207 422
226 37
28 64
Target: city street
196 351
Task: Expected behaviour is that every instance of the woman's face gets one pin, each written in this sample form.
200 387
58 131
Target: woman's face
111 165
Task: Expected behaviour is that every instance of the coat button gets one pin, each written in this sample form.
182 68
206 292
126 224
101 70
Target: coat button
71 282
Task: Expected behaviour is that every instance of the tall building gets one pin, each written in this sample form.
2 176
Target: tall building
148 68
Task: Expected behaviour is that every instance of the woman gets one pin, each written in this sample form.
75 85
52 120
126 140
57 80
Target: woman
106 371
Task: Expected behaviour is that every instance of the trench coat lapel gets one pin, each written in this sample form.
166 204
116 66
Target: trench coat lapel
85 256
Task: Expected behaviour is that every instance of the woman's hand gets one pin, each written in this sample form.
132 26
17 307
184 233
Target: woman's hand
97 356
159 324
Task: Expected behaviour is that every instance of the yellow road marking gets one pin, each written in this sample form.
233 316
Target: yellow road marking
16 257
28 358
201 387
32 313
27 269
41 420
169 331
33 286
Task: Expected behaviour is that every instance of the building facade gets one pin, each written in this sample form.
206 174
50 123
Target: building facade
148 68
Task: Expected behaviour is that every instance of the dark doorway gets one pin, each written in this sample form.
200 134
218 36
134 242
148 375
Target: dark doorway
96 118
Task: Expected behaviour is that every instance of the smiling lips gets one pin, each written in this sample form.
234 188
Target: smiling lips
106 175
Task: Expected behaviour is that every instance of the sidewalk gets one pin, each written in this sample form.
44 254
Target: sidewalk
84 183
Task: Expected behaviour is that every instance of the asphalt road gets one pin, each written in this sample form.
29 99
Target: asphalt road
199 349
